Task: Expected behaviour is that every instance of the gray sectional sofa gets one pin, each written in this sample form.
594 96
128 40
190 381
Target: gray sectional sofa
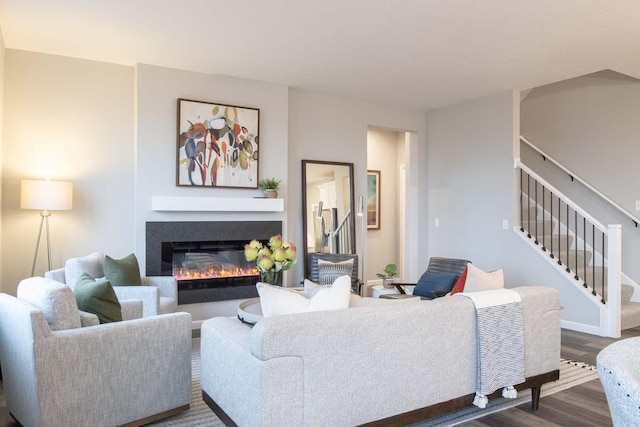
398 361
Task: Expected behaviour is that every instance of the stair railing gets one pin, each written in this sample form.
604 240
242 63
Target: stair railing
340 237
575 234
574 177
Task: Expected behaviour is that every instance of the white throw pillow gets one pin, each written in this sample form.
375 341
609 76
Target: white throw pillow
310 288
276 301
478 280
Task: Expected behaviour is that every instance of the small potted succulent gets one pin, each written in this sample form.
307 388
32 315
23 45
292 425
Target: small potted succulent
270 187
388 276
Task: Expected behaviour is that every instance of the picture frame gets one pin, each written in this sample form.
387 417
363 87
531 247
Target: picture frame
373 200
217 145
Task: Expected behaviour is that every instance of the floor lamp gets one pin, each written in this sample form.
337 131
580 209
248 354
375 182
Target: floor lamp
363 249
45 196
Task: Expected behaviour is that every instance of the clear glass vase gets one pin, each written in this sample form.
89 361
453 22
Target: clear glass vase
272 277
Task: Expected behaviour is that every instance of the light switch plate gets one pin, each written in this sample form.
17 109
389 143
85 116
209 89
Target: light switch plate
505 224
638 205
437 222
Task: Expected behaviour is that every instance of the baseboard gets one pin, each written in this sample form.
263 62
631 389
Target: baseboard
581 327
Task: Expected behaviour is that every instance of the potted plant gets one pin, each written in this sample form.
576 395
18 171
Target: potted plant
270 187
388 276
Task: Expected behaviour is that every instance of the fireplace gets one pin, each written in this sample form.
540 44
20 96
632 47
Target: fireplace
207 258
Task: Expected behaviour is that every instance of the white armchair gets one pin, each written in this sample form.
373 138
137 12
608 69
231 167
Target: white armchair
56 372
159 294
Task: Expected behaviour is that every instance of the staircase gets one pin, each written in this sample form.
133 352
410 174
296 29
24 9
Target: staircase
580 246
578 264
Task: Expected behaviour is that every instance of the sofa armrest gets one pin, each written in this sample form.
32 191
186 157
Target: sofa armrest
149 295
168 285
251 391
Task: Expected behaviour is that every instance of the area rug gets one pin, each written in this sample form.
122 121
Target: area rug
571 374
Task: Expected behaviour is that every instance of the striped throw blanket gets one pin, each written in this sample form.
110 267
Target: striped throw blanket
500 335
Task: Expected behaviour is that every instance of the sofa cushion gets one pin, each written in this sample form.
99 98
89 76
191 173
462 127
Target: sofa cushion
98 297
92 264
433 281
478 280
54 299
122 272
329 271
275 300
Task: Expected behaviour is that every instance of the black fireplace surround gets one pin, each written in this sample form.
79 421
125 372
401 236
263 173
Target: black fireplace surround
203 234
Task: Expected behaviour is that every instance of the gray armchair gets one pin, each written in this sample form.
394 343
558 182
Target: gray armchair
619 372
159 294
57 373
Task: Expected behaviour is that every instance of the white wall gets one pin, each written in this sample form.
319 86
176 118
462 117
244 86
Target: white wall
471 188
2 64
68 119
382 244
335 129
157 91
590 125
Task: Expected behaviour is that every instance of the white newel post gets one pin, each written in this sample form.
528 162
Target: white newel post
614 280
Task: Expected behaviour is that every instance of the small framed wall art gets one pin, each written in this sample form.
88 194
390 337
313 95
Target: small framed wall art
373 200
217 145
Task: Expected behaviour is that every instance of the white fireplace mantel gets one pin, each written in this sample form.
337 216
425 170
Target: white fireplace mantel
216 204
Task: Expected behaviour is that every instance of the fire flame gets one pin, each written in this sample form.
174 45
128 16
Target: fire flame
188 274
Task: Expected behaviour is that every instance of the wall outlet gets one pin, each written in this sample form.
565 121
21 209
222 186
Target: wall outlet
437 222
505 224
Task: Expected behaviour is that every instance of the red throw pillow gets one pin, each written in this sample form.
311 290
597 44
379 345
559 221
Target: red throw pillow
459 286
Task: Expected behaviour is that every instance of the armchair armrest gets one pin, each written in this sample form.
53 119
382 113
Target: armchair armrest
149 371
167 284
149 295
58 276
131 309
88 319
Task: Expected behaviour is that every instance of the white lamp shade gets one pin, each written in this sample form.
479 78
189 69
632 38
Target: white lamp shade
46 195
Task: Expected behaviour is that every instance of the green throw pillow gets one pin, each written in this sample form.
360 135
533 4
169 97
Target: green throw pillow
97 297
122 272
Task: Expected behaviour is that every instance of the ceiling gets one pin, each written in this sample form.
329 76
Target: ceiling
420 54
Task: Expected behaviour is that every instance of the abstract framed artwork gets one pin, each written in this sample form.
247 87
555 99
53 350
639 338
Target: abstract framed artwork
373 200
217 145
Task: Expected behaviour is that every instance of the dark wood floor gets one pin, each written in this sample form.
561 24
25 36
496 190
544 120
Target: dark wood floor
583 405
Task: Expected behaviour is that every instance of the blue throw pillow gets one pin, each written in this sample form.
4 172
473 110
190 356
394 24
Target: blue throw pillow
431 281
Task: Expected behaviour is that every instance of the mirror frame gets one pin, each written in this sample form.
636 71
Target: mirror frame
352 221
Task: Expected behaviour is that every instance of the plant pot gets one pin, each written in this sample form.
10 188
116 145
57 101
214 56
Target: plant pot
388 283
271 194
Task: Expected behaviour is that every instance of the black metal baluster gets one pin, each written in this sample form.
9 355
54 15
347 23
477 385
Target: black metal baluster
521 203
568 269
575 212
536 205
593 263
584 250
551 217
544 221
603 273
529 205
559 228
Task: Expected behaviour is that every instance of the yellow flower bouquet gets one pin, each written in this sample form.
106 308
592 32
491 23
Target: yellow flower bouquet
271 259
